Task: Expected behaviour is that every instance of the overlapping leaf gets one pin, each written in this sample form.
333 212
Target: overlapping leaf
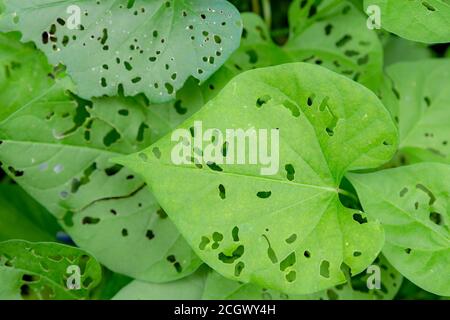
41 271
328 33
287 231
422 20
57 147
141 46
413 204
418 97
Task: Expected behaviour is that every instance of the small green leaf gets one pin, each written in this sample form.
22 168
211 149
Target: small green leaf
43 270
57 147
423 21
21 217
189 288
418 97
238 221
413 204
142 46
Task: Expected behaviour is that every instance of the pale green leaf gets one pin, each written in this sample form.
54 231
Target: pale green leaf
232 211
41 271
413 204
423 21
142 46
57 147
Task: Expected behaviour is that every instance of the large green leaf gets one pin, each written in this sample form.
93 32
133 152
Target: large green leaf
418 97
142 46
413 205
189 288
57 147
334 34
21 217
287 231
220 288
41 271
423 21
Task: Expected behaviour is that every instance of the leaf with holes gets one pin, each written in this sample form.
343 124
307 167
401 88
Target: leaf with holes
418 97
334 34
57 147
420 20
284 230
257 50
220 288
21 217
140 46
46 271
413 204
189 288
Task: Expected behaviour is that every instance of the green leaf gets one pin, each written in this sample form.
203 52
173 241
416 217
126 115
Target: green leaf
412 203
277 231
400 50
257 50
142 46
42 271
423 21
418 97
318 34
57 147
189 288
220 288
334 34
23 218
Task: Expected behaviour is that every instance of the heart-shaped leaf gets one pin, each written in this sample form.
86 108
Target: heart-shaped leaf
140 46
57 147
288 230
418 97
43 271
413 204
421 20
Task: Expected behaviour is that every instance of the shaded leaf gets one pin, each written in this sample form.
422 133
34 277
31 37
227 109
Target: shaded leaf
21 217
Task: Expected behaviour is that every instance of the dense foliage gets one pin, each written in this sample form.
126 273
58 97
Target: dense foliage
354 95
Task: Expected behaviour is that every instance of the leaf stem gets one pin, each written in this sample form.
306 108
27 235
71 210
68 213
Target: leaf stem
267 11
256 7
348 194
